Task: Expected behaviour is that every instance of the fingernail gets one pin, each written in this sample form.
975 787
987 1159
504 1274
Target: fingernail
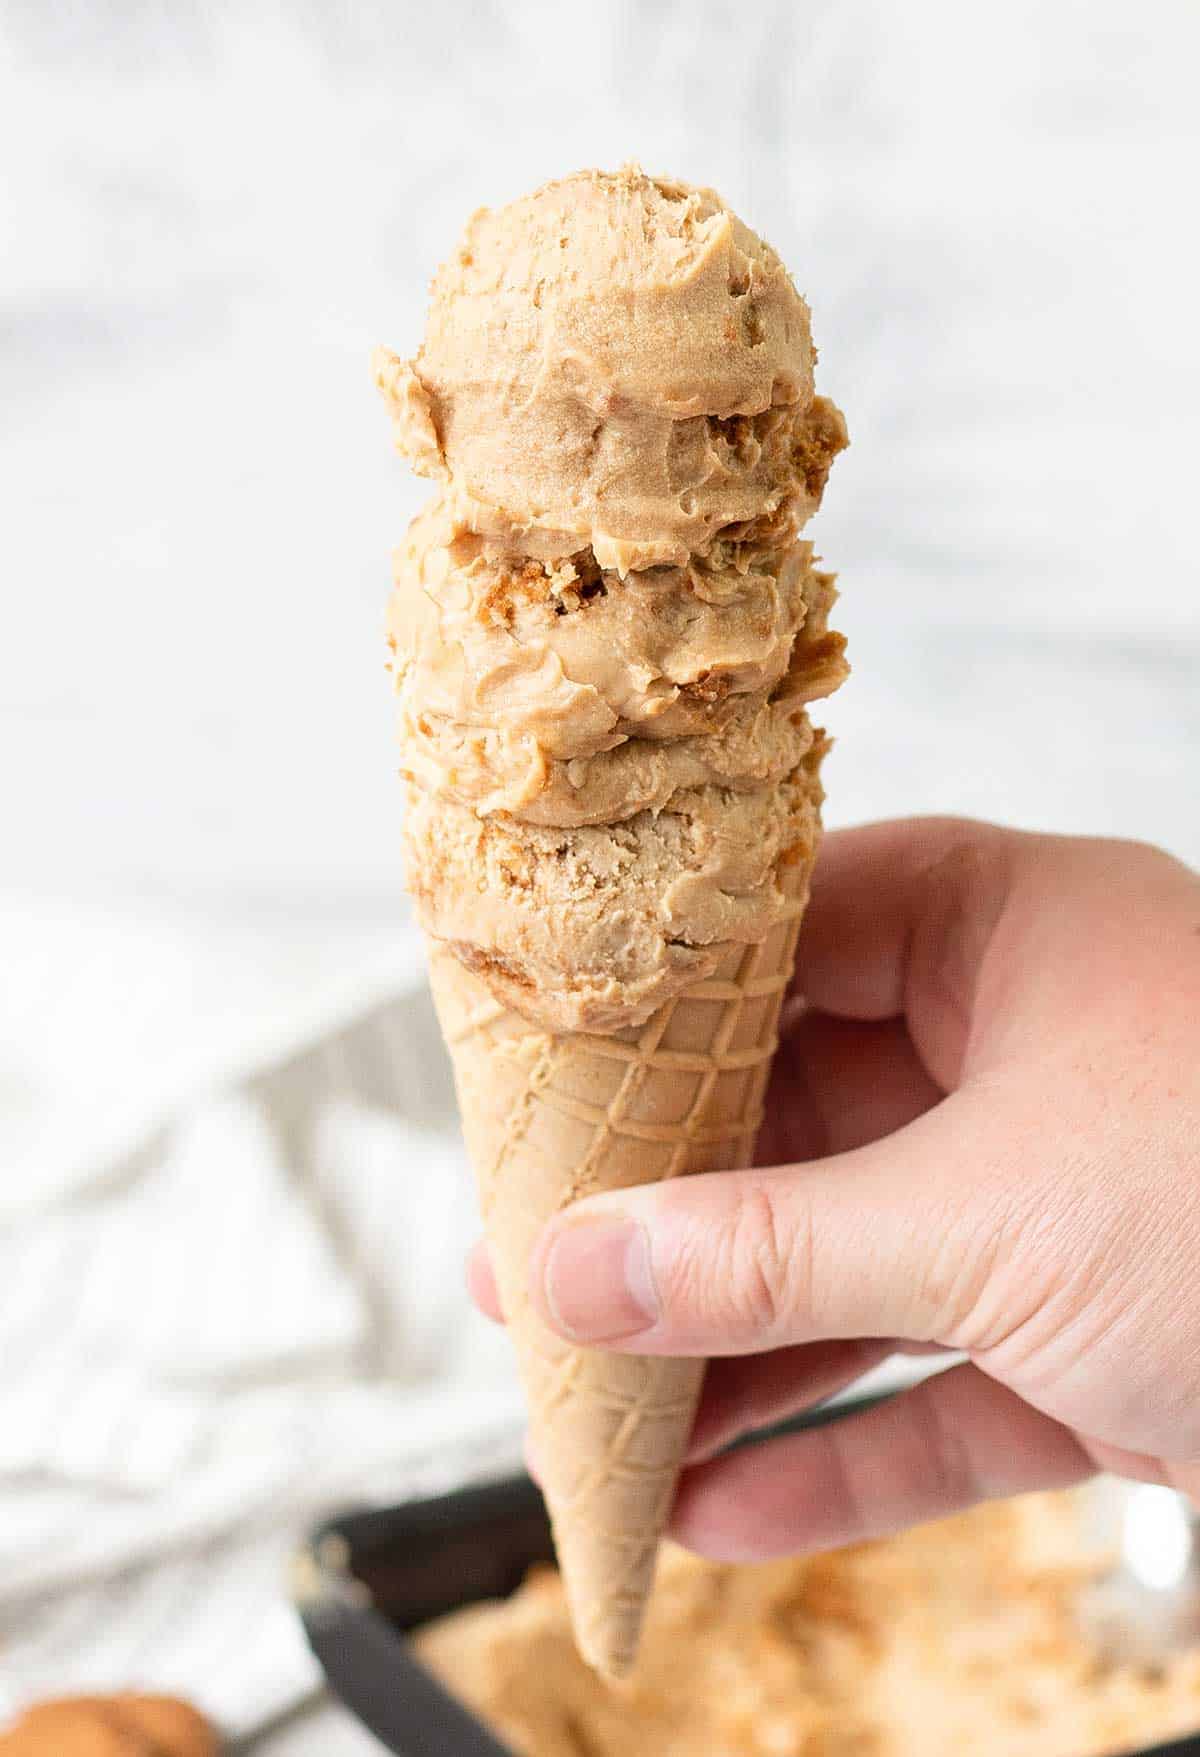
597 1280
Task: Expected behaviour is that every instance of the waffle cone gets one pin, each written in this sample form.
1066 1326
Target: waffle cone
550 1118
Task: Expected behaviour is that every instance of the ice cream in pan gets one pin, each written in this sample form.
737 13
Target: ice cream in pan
606 630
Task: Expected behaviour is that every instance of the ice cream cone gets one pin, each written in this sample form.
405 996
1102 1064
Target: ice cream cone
550 1118
605 630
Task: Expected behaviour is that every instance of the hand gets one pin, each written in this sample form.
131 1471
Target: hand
984 1135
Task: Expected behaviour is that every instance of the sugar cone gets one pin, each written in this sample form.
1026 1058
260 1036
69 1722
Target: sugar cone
551 1118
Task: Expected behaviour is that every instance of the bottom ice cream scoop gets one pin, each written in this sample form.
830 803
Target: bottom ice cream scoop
592 928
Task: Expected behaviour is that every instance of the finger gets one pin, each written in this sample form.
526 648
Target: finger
958 926
481 1282
838 1084
1181 1476
943 1446
889 1240
742 1395
898 922
1134 1466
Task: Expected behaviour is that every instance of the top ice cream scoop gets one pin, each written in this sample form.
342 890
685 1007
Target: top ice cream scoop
615 362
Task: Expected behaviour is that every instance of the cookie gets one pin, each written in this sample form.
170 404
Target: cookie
111 1726
168 1725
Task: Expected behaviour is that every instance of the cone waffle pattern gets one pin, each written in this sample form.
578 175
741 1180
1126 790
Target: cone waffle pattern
551 1118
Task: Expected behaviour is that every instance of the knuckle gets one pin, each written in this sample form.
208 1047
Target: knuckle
767 1261
991 1262
954 1287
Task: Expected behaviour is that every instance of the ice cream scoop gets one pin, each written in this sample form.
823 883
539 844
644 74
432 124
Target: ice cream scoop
615 362
593 928
562 695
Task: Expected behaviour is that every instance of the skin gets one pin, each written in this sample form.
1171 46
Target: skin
983 1135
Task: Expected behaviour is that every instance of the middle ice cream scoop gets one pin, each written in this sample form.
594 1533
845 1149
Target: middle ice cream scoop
561 694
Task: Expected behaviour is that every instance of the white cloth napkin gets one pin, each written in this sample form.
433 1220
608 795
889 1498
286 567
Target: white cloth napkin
230 1289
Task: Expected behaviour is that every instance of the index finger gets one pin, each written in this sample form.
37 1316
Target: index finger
898 922
870 890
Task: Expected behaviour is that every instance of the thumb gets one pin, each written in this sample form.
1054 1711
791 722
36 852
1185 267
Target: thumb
890 1240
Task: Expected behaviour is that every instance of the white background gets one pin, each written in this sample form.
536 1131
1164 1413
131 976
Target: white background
210 212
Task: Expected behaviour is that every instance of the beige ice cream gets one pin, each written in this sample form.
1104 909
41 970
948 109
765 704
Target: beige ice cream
959 1637
604 649
615 362
562 694
596 927
606 630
